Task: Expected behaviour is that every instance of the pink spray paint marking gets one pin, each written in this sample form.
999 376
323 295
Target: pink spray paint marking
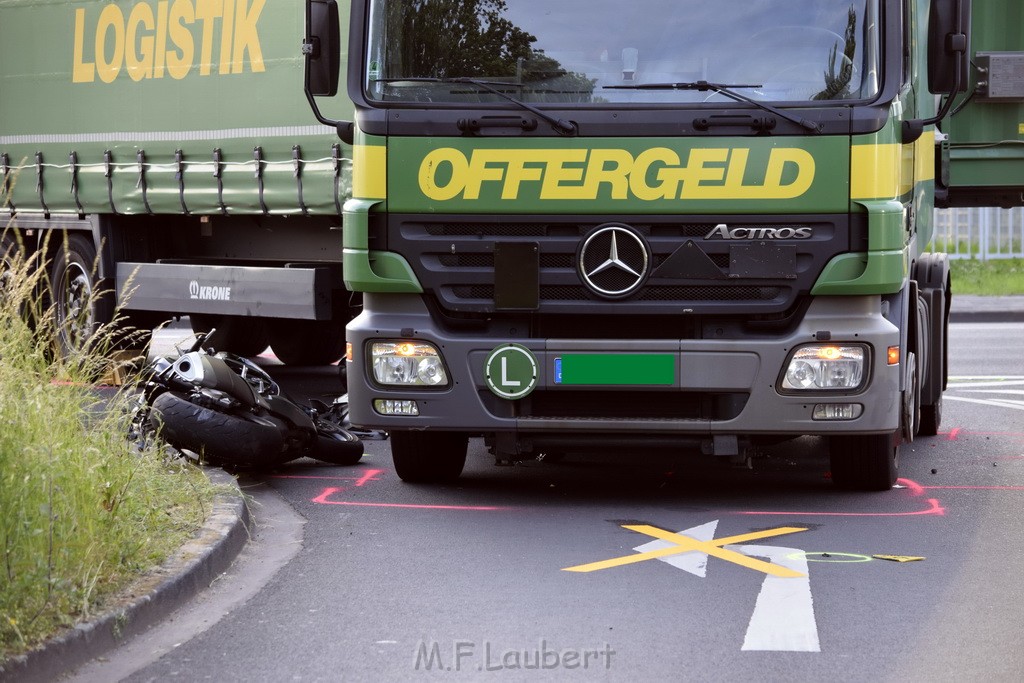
330 494
932 507
325 498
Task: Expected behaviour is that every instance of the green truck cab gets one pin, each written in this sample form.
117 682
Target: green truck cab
593 224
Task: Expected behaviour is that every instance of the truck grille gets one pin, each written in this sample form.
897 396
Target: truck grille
453 257
482 293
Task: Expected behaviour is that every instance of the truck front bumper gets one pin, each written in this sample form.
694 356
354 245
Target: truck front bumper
716 387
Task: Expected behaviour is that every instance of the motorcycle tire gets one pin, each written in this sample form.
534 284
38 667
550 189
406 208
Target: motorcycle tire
335 445
219 438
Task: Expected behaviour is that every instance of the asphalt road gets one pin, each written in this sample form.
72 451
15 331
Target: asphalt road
354 575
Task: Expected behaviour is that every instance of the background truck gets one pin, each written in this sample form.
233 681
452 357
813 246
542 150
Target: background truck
589 223
169 144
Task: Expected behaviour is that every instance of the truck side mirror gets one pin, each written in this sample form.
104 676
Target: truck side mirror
949 56
322 47
322 51
949 46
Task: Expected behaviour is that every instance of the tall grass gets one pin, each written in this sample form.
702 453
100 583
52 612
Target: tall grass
1000 277
81 513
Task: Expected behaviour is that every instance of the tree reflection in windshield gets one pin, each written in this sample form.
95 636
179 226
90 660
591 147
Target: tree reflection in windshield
473 38
570 50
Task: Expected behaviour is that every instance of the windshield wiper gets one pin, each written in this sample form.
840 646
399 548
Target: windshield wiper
723 89
561 126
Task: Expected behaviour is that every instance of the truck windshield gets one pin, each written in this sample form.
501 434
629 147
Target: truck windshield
585 51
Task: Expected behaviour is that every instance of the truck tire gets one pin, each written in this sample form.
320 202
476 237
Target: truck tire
864 462
335 445
307 342
428 457
910 417
932 273
78 307
931 418
238 334
221 439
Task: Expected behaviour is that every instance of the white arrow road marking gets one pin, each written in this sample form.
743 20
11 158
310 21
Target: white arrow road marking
783 618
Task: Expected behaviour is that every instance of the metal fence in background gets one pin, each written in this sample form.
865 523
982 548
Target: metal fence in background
979 233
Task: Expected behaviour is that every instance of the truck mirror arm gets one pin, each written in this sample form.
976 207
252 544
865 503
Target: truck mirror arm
346 129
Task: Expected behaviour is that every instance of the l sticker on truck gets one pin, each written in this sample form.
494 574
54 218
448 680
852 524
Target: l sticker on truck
511 371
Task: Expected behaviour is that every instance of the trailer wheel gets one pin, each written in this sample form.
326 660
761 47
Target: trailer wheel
864 462
78 307
307 342
10 252
220 438
428 457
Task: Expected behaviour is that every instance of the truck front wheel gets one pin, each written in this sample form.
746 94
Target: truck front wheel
865 462
428 457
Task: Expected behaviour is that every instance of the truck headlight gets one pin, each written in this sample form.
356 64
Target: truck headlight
407 363
825 367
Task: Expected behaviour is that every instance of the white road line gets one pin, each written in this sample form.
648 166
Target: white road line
1018 392
1016 405
956 378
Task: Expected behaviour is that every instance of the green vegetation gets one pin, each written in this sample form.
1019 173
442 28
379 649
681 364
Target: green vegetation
992 277
81 513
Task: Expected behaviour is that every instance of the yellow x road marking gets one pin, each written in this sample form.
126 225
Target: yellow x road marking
685 544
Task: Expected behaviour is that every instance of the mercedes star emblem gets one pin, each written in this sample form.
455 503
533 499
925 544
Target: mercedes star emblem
613 261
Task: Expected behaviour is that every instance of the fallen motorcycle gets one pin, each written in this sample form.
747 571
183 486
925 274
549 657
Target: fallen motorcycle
228 411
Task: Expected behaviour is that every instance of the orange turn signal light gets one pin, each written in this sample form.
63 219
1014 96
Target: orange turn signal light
893 355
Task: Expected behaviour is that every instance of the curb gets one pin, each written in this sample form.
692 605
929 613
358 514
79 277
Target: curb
986 316
187 572
986 309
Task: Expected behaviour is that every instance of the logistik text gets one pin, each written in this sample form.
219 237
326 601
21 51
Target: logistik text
170 38
586 174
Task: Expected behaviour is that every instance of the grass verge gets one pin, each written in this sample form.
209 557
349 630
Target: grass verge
81 513
996 277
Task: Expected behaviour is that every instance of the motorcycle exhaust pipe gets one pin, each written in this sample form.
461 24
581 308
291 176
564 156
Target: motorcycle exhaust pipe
211 372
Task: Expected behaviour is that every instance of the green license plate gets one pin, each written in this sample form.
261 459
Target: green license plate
636 369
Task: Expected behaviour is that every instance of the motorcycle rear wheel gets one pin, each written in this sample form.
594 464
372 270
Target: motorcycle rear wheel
219 438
